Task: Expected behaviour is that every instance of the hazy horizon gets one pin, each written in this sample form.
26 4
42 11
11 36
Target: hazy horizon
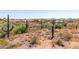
20 14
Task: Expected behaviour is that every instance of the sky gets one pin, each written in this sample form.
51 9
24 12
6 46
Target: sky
39 4
39 13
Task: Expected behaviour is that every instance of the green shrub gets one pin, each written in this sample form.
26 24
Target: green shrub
3 43
70 26
20 29
58 26
2 34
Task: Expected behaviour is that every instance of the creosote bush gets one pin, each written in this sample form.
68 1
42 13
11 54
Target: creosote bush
60 25
60 43
65 35
34 40
2 34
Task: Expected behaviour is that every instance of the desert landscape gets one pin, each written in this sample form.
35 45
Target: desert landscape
39 33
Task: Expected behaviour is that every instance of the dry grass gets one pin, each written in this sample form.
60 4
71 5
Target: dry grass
40 38
65 35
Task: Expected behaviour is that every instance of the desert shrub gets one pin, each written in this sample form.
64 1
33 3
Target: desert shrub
11 47
20 29
36 20
65 35
3 43
34 40
65 24
47 25
60 25
60 43
70 25
2 34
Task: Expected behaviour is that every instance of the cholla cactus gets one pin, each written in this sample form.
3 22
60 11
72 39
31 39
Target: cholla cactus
7 28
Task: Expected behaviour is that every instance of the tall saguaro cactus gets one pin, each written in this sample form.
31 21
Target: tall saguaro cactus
76 26
41 23
27 25
53 28
8 32
7 28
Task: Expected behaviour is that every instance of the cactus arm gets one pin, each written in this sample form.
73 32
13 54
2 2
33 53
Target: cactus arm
4 29
11 28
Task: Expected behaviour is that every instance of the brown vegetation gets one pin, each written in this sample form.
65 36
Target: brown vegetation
40 34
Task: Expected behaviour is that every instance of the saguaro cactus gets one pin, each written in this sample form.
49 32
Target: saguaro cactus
76 26
7 28
8 32
53 27
26 23
41 23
